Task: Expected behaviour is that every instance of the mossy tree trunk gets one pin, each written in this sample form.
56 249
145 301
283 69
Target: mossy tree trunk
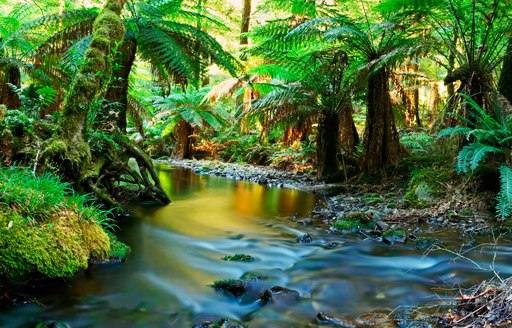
412 114
69 153
381 144
117 92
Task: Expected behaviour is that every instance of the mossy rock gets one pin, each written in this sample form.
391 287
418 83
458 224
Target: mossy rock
423 243
392 236
239 258
350 225
372 200
425 186
253 275
234 287
57 248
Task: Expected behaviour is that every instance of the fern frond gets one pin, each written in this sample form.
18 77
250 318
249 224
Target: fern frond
504 197
471 155
454 131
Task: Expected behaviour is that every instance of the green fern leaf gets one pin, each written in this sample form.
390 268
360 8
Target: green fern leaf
504 198
471 155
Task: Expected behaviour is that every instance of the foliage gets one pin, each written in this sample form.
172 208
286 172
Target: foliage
426 184
17 122
417 143
504 198
191 107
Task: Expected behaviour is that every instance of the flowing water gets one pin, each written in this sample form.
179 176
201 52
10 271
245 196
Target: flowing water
178 250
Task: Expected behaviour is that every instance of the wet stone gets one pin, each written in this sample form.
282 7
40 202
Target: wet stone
305 239
331 245
280 296
324 319
305 221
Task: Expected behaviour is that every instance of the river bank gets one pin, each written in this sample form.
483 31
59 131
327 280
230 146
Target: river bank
385 202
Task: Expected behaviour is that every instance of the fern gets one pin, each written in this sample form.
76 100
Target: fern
504 198
471 155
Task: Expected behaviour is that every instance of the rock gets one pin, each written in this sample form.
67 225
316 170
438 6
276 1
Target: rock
305 239
280 296
394 236
324 319
305 221
331 245
52 324
381 225
239 258
234 287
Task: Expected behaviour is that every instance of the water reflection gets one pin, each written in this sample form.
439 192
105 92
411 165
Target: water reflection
177 251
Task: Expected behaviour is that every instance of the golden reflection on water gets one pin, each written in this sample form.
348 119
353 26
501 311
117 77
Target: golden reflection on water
206 206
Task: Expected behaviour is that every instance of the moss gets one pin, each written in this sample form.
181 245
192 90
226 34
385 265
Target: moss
372 200
346 224
57 248
118 250
235 287
253 275
426 185
396 233
239 258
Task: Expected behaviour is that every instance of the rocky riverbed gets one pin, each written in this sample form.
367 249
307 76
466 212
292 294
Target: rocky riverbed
383 204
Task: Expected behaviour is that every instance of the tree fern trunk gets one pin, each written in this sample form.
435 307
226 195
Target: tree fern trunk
505 83
8 97
381 145
348 136
327 145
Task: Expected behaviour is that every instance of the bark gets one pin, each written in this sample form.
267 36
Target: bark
505 82
246 18
298 132
8 97
381 145
117 92
348 136
435 101
412 115
327 145
182 132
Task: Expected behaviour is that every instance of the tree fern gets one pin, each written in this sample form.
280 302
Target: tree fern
504 198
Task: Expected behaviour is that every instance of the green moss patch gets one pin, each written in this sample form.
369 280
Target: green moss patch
46 229
426 186
352 225
239 258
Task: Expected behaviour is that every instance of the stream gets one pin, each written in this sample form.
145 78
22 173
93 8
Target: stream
177 253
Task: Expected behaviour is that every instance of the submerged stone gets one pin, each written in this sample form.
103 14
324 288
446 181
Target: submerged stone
216 322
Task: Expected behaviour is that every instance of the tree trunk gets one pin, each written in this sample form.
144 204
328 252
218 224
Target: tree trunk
182 132
505 83
348 137
412 115
117 92
435 101
8 97
298 132
246 18
327 145
381 145
91 80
